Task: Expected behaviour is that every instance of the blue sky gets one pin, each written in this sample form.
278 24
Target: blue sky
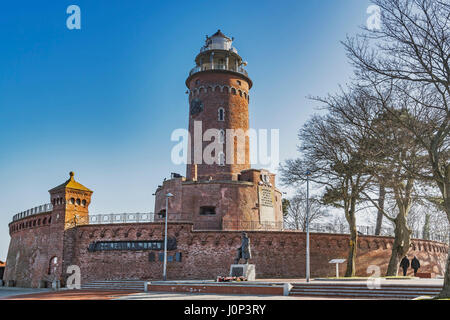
103 101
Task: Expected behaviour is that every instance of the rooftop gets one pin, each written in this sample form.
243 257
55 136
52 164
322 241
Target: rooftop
71 184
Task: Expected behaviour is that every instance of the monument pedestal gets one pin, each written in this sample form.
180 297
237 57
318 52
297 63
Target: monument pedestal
243 270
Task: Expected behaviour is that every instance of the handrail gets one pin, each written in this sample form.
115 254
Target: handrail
217 66
48 207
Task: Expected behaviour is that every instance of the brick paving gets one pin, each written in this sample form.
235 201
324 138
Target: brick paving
72 295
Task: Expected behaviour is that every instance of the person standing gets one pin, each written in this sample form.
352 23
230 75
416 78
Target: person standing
415 264
405 265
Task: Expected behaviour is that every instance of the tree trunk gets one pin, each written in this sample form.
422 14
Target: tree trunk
445 190
381 198
401 245
351 260
445 293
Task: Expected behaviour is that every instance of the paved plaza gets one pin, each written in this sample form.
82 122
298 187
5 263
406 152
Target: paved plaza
65 294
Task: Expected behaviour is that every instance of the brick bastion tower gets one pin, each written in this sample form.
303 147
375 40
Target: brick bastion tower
39 247
224 194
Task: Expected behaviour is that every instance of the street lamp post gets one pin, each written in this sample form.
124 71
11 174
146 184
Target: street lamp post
165 237
308 174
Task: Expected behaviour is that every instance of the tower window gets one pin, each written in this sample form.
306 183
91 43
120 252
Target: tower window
197 81
221 114
83 203
221 136
207 211
238 82
78 202
221 159
162 213
72 200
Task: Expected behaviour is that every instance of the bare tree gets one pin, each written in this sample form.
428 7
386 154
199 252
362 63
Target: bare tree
411 51
296 211
333 151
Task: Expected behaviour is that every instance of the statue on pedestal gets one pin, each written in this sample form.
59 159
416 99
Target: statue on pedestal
243 252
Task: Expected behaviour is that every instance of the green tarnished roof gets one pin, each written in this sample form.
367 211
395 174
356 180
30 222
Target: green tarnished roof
71 184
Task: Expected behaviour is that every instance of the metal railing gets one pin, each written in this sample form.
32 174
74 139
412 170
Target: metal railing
252 225
217 66
48 207
370 231
218 46
136 218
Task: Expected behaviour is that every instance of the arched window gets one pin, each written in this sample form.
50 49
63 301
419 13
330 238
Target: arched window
221 159
72 200
44 221
83 203
233 90
221 136
221 112
78 202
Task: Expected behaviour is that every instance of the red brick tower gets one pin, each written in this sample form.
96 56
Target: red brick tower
218 98
220 191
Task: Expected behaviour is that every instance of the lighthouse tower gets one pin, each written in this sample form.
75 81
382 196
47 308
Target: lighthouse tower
220 191
218 101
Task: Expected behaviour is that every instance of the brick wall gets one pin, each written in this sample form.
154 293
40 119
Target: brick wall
220 90
28 257
205 254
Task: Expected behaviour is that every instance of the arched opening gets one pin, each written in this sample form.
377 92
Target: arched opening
221 114
221 159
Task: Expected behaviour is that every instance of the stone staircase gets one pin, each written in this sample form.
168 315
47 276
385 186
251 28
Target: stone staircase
360 290
132 285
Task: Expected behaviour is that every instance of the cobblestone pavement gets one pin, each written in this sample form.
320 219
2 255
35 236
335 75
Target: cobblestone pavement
39 294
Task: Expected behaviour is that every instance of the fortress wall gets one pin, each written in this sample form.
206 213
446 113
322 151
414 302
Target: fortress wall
27 262
207 254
